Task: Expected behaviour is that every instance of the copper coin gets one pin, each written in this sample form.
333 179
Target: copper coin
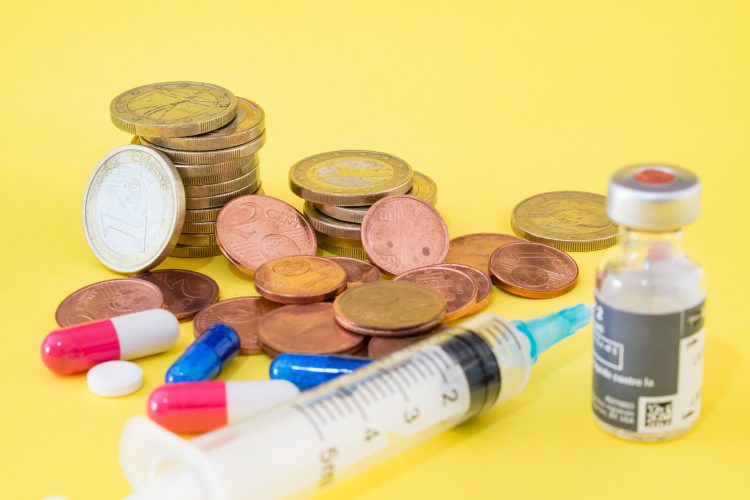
300 279
458 289
483 283
401 233
185 292
107 299
389 308
533 270
307 329
254 229
475 249
380 347
243 314
357 271
358 351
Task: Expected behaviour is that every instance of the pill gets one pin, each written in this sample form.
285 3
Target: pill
115 378
79 347
206 357
309 370
189 407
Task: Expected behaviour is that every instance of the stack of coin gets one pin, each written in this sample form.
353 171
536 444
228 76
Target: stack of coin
211 137
340 186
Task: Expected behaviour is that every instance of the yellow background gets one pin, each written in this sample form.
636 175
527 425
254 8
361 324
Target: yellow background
496 101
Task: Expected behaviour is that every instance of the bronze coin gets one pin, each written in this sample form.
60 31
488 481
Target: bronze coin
107 299
307 329
458 289
475 249
533 270
254 229
185 292
401 233
389 308
483 283
300 279
357 271
380 347
243 314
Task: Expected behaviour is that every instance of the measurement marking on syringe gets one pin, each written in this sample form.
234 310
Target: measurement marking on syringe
375 382
419 370
444 358
346 395
335 404
424 364
322 404
386 381
370 391
314 424
397 374
319 415
431 359
408 368
358 392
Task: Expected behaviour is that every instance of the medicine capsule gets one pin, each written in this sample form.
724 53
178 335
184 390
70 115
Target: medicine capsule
204 406
79 347
206 357
309 370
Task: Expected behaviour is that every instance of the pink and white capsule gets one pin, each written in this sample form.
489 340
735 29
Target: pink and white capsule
79 347
188 407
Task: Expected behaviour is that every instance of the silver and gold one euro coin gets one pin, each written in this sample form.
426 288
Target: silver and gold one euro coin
133 209
349 178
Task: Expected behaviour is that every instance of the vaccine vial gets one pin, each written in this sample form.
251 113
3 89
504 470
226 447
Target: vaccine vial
648 320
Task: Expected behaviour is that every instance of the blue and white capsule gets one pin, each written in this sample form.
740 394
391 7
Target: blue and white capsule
205 358
310 370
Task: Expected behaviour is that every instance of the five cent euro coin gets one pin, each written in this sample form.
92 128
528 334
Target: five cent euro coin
173 109
349 178
569 220
133 209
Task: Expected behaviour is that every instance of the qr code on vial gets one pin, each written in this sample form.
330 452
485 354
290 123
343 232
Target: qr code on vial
659 414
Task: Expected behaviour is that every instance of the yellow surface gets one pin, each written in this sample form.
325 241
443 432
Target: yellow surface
496 101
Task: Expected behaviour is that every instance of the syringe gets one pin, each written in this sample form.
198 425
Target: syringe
354 421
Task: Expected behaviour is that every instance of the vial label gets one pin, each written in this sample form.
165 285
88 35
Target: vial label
647 368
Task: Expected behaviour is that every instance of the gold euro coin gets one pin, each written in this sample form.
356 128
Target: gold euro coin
208 227
173 109
349 178
248 124
422 187
197 240
200 175
193 251
207 157
219 199
248 179
133 209
389 308
342 247
330 226
573 221
202 214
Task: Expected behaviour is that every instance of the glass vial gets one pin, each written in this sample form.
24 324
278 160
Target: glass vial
648 319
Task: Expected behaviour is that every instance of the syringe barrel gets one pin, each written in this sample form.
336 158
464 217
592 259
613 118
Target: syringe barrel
338 428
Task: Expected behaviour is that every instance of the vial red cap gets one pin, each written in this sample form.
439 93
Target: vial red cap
654 176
